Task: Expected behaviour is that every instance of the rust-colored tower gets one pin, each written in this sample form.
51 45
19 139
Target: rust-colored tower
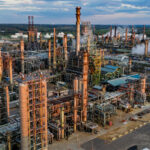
75 103
78 29
85 86
7 100
143 85
22 55
54 49
146 48
49 53
33 114
65 48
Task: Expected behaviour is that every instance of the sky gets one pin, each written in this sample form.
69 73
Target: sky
63 11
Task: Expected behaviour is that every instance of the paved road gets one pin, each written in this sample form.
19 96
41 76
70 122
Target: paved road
140 137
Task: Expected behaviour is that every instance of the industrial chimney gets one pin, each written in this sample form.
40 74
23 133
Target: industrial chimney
78 29
146 48
22 54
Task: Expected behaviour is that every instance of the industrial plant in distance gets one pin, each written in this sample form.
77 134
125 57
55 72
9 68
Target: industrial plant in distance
74 75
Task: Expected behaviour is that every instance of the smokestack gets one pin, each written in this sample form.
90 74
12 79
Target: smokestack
144 32
22 55
23 96
126 35
75 102
49 53
78 29
7 101
85 85
146 48
1 67
54 49
65 47
32 23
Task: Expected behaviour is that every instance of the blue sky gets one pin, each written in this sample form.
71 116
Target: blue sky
63 11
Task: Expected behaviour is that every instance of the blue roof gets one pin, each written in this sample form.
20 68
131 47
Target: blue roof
107 70
123 80
97 87
111 67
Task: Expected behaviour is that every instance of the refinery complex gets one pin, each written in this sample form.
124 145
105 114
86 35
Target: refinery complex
73 88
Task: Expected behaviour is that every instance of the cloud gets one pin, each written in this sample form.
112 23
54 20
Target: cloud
109 10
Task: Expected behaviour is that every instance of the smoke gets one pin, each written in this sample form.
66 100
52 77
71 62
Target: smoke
140 49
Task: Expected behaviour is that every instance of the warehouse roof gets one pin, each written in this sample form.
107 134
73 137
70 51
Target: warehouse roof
123 80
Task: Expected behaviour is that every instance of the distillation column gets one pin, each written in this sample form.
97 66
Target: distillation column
146 48
65 49
85 86
23 96
78 29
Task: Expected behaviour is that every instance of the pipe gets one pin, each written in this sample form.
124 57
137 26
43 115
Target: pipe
7 101
146 48
75 103
23 96
85 86
65 47
49 53
62 122
54 52
78 29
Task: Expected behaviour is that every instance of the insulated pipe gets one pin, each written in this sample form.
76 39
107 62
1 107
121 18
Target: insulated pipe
85 86
23 97
78 29
75 103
